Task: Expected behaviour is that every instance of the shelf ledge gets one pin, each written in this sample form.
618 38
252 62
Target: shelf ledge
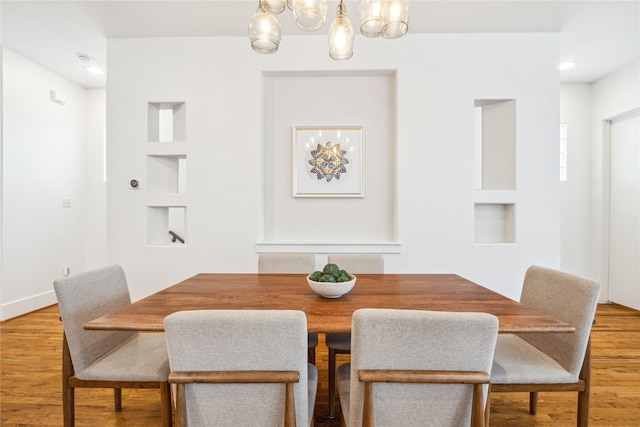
329 247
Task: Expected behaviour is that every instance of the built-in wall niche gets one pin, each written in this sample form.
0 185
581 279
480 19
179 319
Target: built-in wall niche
494 223
167 122
495 141
166 225
166 174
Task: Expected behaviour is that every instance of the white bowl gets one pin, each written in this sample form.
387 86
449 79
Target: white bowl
332 289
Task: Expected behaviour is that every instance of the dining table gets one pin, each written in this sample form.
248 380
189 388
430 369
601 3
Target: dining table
248 291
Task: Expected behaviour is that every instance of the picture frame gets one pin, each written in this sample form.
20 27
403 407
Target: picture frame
328 161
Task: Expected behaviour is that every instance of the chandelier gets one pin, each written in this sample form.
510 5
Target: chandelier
378 18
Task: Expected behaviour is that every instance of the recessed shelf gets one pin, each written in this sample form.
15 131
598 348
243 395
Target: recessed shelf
495 142
161 220
167 122
166 174
494 223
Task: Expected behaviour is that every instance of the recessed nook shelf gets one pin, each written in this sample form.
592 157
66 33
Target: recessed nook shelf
495 142
494 223
167 122
161 220
166 174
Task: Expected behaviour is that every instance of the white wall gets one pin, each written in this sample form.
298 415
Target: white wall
613 95
575 111
95 185
44 157
438 77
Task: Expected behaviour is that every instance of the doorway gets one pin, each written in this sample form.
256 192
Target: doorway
624 209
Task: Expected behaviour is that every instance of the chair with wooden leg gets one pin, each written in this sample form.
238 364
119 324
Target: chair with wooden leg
417 368
550 362
291 264
106 359
341 343
241 367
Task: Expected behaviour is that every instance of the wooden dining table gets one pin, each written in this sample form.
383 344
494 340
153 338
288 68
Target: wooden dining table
225 291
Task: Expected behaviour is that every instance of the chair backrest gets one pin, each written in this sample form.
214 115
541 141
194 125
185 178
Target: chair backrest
419 340
359 263
239 340
567 297
86 296
286 263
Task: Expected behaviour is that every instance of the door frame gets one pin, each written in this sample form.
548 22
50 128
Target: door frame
606 186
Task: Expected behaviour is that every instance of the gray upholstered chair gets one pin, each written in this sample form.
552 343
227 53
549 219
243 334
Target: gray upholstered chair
106 359
291 264
417 368
286 263
553 361
229 365
341 343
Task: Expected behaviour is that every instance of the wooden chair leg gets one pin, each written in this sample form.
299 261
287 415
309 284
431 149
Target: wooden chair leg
181 406
477 411
68 404
68 393
487 407
289 407
368 419
583 396
117 399
166 405
533 402
332 383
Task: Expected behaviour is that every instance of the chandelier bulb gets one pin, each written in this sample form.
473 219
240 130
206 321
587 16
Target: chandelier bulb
264 30
341 35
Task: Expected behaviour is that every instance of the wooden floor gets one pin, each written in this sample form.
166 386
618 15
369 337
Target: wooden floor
30 384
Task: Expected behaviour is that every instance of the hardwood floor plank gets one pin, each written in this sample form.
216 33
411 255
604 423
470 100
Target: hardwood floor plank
30 384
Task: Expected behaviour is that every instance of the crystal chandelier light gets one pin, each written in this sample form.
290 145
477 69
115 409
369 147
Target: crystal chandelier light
386 18
341 35
264 29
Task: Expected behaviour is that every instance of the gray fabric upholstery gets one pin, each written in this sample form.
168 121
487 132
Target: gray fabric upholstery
355 264
341 343
286 263
106 355
230 340
416 340
549 358
289 264
358 263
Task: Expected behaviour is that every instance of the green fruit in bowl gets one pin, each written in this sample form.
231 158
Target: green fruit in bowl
327 278
331 269
315 276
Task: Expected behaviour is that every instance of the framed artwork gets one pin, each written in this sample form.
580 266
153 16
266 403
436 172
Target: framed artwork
328 161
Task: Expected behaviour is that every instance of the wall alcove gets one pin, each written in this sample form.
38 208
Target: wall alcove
327 223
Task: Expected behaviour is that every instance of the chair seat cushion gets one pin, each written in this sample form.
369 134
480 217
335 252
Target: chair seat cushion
312 379
141 358
517 362
339 341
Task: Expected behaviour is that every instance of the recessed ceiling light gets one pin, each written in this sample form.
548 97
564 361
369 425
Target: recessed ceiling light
567 65
94 70
88 65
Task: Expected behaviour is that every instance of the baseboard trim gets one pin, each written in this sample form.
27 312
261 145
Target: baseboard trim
27 305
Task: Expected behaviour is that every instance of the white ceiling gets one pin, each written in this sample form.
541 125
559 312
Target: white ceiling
602 36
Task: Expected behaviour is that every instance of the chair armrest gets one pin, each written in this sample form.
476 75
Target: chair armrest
235 377
425 377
